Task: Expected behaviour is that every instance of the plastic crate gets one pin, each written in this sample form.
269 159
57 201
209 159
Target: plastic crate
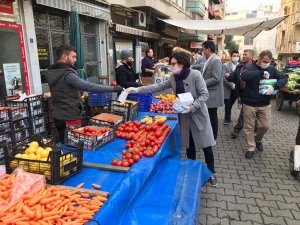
99 99
33 103
73 137
1 153
128 108
145 101
39 125
61 163
104 123
20 135
5 127
5 137
13 113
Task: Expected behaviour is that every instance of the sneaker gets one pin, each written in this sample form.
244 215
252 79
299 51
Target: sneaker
234 135
249 154
259 146
213 181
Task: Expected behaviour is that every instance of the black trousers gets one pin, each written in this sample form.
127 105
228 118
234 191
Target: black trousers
61 128
228 106
213 116
208 154
240 123
298 135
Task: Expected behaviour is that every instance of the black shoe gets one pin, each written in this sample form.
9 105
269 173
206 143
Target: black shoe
249 154
234 135
213 181
226 122
259 146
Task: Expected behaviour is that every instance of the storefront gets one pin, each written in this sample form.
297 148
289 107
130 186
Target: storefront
52 30
13 66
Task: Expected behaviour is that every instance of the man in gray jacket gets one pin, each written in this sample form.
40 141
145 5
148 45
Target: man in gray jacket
213 76
229 87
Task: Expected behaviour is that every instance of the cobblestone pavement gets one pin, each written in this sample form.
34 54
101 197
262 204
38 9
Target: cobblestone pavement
254 191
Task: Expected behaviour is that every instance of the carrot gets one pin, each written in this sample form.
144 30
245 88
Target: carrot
38 212
41 222
51 217
83 211
51 213
97 186
102 199
10 218
21 223
48 200
85 195
68 213
28 212
80 185
35 200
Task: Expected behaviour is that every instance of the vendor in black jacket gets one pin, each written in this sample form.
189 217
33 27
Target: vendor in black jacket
257 106
125 74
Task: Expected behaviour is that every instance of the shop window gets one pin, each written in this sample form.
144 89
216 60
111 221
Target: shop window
248 41
52 30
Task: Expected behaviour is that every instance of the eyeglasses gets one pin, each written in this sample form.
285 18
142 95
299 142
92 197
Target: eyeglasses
173 64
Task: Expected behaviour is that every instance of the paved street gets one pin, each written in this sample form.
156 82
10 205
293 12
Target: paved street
256 191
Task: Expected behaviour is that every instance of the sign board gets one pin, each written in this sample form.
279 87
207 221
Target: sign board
6 6
196 44
12 75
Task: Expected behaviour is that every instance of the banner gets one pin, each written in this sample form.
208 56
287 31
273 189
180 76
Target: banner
13 81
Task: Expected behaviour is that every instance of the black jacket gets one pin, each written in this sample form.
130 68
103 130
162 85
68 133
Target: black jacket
252 74
126 77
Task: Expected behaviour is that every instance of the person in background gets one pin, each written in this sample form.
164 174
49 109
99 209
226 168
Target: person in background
230 95
65 86
256 106
293 63
235 77
298 132
194 126
125 75
213 76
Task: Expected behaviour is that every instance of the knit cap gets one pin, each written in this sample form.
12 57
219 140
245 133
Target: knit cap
125 54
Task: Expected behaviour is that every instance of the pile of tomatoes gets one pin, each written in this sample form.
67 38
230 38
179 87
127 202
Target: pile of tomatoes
92 132
143 141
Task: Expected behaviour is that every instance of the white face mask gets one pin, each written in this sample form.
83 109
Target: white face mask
235 59
175 70
264 65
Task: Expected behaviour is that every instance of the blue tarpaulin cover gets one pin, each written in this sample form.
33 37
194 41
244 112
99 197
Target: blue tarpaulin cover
178 180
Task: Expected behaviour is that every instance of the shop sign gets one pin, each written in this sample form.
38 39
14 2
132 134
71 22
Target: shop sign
43 54
13 81
6 6
196 44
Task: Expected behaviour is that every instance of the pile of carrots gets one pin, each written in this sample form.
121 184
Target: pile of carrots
52 205
5 189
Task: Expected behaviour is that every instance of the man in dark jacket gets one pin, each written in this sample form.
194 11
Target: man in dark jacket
126 77
65 85
256 105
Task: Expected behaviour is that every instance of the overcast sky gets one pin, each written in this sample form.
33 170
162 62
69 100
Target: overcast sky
251 4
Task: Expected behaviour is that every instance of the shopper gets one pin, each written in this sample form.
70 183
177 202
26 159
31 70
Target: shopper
213 76
293 63
125 74
229 87
235 77
298 132
256 106
194 125
65 85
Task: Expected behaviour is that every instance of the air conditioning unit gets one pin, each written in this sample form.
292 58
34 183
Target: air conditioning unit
139 19
297 47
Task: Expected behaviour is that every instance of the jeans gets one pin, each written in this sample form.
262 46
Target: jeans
213 116
228 106
208 154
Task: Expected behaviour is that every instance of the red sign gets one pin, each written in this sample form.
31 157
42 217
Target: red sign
22 49
6 6
195 44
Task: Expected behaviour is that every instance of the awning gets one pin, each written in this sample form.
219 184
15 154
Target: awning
152 35
82 7
243 27
128 30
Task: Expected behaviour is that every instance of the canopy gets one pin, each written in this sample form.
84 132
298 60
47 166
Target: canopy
76 42
243 27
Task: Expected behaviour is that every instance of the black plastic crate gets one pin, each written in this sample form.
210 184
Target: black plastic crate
20 135
73 137
6 137
129 108
4 114
13 113
60 164
33 103
39 125
5 127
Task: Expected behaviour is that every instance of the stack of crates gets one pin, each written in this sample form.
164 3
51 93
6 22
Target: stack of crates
15 126
36 111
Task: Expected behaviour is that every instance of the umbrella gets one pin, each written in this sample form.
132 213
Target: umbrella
76 42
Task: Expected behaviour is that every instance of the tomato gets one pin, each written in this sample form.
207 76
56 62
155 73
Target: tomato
110 120
136 158
128 155
152 138
118 163
152 144
146 153
147 142
125 163
160 123
131 162
128 145
124 152
141 154
114 162
123 136
157 134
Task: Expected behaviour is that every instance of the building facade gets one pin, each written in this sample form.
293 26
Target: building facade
288 32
